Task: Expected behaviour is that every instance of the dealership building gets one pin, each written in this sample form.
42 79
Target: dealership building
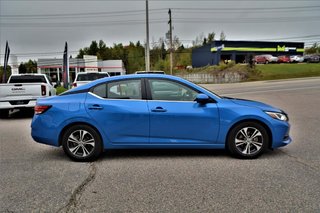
54 66
241 51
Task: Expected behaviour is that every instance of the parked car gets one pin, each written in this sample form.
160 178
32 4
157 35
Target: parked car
260 59
271 58
296 58
312 58
283 59
155 111
150 72
265 59
85 77
22 90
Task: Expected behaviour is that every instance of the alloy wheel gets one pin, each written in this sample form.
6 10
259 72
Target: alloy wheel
81 143
248 141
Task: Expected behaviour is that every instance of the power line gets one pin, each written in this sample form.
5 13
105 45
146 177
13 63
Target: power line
80 14
246 8
80 24
178 20
124 12
247 20
296 37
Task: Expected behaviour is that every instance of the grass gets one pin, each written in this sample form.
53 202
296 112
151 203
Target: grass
60 90
284 71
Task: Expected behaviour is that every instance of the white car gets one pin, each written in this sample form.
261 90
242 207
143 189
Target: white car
296 58
85 77
271 58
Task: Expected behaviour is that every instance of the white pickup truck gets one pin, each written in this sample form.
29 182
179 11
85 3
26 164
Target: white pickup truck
83 78
22 91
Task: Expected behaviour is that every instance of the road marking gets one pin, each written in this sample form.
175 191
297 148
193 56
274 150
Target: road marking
272 90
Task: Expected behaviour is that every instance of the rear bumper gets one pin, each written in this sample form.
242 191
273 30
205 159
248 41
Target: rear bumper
12 105
41 132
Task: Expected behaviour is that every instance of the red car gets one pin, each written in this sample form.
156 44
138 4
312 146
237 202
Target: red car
260 59
283 59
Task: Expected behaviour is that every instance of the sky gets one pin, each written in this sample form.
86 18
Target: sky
39 29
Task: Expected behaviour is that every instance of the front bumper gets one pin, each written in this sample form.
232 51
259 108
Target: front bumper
281 135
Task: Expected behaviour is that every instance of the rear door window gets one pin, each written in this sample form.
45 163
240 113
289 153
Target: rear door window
125 89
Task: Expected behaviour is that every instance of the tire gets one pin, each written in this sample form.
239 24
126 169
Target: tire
82 143
4 113
241 144
267 62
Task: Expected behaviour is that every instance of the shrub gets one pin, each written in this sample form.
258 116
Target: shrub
60 90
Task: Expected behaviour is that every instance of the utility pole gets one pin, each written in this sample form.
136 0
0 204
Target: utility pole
171 48
147 57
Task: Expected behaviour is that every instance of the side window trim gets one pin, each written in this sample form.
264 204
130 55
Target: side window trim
142 83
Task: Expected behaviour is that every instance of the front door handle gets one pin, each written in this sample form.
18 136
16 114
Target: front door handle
158 109
95 107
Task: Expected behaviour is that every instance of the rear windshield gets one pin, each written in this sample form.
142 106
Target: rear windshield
27 79
91 76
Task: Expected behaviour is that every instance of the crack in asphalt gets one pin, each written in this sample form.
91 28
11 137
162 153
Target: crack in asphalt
301 161
76 195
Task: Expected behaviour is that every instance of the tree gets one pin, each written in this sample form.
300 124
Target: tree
28 67
22 68
93 49
31 66
163 50
8 73
223 36
176 42
204 41
198 41
315 48
81 53
211 37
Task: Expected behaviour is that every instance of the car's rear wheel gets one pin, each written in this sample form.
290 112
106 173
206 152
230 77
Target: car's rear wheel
82 143
248 140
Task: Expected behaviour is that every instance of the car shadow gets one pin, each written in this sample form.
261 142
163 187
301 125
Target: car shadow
161 153
18 114
58 154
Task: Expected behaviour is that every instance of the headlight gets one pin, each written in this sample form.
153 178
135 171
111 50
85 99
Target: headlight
278 116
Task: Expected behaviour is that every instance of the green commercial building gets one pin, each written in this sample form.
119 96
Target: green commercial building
241 51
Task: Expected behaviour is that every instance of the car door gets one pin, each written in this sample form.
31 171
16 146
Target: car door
120 111
176 118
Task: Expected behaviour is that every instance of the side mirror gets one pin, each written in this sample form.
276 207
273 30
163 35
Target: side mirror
202 99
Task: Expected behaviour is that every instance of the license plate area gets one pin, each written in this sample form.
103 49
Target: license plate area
20 102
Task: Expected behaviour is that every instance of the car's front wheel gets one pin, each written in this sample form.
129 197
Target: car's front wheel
248 140
82 143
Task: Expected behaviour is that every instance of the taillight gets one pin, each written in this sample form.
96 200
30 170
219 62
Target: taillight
39 109
43 90
74 84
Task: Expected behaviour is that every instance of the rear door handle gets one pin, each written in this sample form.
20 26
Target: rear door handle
158 109
95 107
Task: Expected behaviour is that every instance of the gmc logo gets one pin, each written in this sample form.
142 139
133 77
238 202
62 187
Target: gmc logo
18 89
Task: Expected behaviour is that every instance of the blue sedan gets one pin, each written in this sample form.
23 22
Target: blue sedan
158 112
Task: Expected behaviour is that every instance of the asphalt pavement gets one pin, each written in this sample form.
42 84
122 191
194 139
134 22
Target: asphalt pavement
39 178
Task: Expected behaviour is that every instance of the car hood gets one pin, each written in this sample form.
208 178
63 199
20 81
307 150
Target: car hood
256 104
